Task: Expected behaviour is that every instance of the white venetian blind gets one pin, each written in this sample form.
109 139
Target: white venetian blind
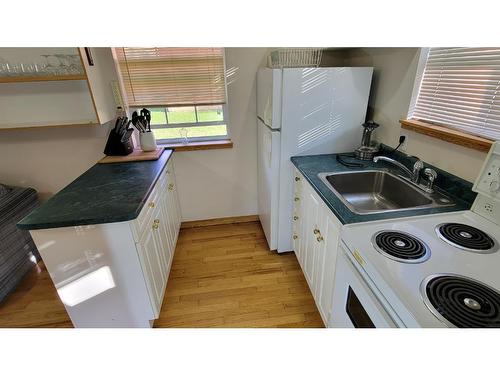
460 89
160 76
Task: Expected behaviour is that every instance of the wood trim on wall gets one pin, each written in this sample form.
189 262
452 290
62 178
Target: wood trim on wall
218 221
196 146
448 135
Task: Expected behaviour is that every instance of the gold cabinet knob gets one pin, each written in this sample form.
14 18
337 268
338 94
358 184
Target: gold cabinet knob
156 223
170 186
295 218
319 238
297 178
295 236
297 199
316 231
151 204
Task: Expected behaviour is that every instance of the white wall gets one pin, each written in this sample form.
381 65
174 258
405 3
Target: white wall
223 183
48 159
212 183
394 74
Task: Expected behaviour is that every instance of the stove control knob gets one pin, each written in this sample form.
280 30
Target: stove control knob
494 186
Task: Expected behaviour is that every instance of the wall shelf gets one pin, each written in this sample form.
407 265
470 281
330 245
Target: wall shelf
16 79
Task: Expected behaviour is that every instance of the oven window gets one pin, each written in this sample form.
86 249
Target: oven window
358 315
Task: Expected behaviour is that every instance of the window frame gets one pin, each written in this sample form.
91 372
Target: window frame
166 141
438 130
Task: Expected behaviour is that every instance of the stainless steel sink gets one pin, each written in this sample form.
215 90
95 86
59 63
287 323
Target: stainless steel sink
375 191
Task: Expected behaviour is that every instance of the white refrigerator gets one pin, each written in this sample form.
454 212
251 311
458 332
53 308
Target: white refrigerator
302 111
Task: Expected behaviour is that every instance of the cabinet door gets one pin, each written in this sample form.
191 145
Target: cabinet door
311 207
150 261
173 205
163 237
319 250
327 269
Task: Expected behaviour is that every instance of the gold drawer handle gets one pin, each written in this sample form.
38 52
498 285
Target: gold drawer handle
295 218
295 236
151 204
297 199
297 178
316 231
156 221
170 186
155 226
319 238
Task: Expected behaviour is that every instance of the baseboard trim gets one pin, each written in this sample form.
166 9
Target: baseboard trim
219 221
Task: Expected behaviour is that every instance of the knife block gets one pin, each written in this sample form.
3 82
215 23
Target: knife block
118 144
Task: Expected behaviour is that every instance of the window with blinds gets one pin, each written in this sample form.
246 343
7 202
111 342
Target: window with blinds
460 89
184 88
160 76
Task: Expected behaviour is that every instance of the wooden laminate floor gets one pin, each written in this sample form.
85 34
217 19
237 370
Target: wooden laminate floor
221 276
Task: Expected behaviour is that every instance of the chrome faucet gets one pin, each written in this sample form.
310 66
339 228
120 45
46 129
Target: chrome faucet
431 175
414 175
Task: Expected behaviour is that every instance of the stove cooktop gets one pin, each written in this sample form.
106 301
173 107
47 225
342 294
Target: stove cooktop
400 246
466 237
461 301
434 270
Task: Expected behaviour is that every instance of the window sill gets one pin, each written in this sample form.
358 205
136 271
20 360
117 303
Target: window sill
197 146
448 135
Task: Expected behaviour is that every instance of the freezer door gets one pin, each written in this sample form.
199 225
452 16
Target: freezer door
269 96
268 181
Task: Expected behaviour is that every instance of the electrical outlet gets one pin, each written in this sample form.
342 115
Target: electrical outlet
487 208
117 95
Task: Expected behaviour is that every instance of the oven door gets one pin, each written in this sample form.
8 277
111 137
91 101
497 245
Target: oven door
354 304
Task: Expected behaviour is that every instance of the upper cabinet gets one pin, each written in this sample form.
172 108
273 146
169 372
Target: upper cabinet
42 87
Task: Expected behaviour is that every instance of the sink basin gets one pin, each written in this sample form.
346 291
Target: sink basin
378 191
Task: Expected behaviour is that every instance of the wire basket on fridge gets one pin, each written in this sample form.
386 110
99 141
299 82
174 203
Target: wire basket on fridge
295 57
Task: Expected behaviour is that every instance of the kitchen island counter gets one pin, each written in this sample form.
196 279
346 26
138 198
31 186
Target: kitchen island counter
105 193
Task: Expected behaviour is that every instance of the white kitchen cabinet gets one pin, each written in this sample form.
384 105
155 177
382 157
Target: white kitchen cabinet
115 274
36 101
149 250
316 245
324 296
311 236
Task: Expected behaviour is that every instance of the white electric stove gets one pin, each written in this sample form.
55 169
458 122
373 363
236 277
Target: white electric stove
438 270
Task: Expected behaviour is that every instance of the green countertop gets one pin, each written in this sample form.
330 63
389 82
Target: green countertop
455 187
106 193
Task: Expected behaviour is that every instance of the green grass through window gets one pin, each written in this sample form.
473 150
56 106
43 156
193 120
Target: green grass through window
182 115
